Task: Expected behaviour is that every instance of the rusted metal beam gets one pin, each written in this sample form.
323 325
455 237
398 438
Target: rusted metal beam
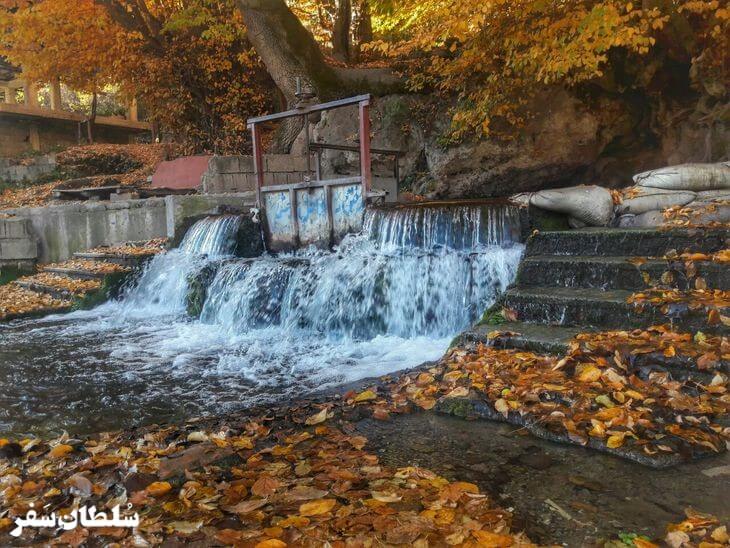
365 160
258 162
308 109
354 148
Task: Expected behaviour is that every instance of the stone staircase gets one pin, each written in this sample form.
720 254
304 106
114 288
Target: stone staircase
86 280
579 280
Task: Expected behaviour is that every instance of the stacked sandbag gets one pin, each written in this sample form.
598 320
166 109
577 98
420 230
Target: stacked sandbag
650 199
702 189
695 177
585 205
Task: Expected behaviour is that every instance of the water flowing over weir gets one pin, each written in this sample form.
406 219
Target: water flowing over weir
270 327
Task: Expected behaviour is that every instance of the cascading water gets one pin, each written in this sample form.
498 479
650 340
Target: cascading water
272 327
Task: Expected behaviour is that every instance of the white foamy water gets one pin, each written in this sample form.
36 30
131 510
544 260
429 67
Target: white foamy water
272 327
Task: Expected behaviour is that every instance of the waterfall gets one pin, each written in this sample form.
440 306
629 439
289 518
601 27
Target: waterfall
412 272
163 286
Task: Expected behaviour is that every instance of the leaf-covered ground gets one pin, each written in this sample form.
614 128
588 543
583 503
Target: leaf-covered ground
93 166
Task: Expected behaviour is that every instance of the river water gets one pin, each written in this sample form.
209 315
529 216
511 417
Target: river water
270 328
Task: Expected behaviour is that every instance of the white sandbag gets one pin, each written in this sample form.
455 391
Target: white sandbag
649 219
722 195
687 177
522 199
651 199
626 221
576 223
708 212
588 203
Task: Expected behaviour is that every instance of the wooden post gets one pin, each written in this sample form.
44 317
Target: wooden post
258 161
365 162
56 94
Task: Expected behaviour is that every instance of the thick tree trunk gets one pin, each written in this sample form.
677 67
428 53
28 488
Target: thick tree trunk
289 52
341 45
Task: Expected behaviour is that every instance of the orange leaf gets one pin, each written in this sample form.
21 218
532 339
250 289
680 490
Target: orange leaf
317 507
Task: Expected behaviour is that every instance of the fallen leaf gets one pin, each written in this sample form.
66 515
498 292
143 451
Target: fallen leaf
367 395
60 451
317 507
265 486
158 488
317 418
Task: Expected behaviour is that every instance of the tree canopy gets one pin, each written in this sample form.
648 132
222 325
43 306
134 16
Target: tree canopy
203 66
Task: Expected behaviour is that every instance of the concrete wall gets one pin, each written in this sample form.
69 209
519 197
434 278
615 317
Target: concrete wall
62 230
236 173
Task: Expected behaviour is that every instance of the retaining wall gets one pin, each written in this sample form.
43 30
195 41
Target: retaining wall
62 230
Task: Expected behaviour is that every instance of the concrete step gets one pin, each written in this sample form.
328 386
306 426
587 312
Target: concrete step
545 339
627 242
76 274
608 272
588 308
124 260
532 337
54 292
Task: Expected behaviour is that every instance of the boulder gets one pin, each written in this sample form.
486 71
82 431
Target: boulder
593 205
650 199
687 177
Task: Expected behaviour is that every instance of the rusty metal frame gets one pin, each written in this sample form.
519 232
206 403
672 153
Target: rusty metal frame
365 177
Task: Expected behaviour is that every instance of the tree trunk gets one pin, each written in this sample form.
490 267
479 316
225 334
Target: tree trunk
289 51
91 120
364 25
341 47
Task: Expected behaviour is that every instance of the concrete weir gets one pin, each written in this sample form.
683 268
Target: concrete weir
56 232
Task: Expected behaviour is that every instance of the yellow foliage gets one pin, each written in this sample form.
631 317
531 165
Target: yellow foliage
495 55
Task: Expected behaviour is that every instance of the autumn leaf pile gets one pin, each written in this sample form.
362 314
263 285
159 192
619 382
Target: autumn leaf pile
136 249
698 529
102 161
581 398
699 352
301 480
64 284
16 301
93 267
680 288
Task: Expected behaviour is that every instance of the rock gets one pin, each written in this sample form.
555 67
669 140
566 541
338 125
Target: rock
593 205
687 177
651 199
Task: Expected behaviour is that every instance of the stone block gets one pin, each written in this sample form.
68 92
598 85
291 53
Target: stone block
15 228
14 249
